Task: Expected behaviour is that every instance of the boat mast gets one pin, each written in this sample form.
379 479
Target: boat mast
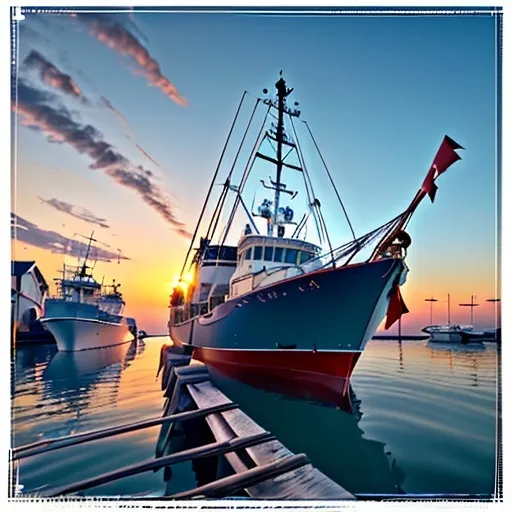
431 300
282 92
449 309
471 305
84 264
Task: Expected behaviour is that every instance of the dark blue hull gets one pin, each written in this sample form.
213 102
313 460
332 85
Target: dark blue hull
332 309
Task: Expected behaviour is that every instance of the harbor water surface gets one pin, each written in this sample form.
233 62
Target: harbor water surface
423 418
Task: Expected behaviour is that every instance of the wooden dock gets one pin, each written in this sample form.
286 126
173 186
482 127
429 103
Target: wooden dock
267 470
241 458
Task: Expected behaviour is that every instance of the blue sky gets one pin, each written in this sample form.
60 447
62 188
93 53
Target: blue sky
378 92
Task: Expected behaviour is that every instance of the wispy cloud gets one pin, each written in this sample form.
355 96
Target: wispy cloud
75 211
118 114
53 76
39 111
148 156
118 37
31 234
130 133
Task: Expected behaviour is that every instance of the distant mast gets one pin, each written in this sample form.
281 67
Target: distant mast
431 300
471 306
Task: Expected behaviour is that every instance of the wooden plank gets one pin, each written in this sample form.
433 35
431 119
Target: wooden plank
209 450
303 483
62 442
230 484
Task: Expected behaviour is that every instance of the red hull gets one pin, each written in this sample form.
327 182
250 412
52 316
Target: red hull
321 376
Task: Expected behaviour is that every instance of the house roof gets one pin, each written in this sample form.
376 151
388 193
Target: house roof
19 268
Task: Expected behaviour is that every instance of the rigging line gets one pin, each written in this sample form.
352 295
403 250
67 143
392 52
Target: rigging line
322 220
245 176
211 184
332 181
361 242
218 208
251 220
306 178
390 234
228 179
285 156
297 230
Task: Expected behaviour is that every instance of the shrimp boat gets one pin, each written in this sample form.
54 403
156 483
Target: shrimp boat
275 304
82 316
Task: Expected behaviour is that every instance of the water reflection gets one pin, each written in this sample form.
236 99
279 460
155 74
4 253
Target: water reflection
314 426
65 383
459 356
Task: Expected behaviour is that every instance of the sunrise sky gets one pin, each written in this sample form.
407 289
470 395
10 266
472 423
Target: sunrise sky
121 119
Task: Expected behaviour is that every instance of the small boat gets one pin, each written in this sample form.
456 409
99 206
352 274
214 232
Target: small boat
449 333
452 333
81 317
275 299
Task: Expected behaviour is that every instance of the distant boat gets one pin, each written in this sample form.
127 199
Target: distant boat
449 333
272 304
452 333
82 317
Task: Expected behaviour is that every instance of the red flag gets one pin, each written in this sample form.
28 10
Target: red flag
396 307
445 157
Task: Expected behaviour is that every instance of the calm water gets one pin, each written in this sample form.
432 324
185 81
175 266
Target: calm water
423 418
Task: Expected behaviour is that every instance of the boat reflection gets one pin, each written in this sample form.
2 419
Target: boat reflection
69 384
326 428
459 356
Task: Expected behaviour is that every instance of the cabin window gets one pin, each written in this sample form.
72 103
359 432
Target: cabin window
268 253
258 253
248 254
305 256
291 256
278 254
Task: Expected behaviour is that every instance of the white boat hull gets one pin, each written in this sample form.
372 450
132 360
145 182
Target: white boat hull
74 334
446 337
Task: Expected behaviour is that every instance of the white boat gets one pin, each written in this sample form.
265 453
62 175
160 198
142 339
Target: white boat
83 318
450 333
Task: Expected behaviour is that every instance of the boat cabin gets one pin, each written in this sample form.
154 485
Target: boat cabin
80 289
265 259
217 267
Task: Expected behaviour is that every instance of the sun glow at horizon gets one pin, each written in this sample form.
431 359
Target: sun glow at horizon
182 283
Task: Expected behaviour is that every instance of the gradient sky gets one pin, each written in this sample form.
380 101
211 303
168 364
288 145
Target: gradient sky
379 94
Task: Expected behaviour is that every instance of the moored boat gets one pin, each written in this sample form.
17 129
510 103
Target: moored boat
450 332
81 317
273 304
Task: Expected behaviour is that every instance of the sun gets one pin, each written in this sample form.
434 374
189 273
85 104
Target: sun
183 284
